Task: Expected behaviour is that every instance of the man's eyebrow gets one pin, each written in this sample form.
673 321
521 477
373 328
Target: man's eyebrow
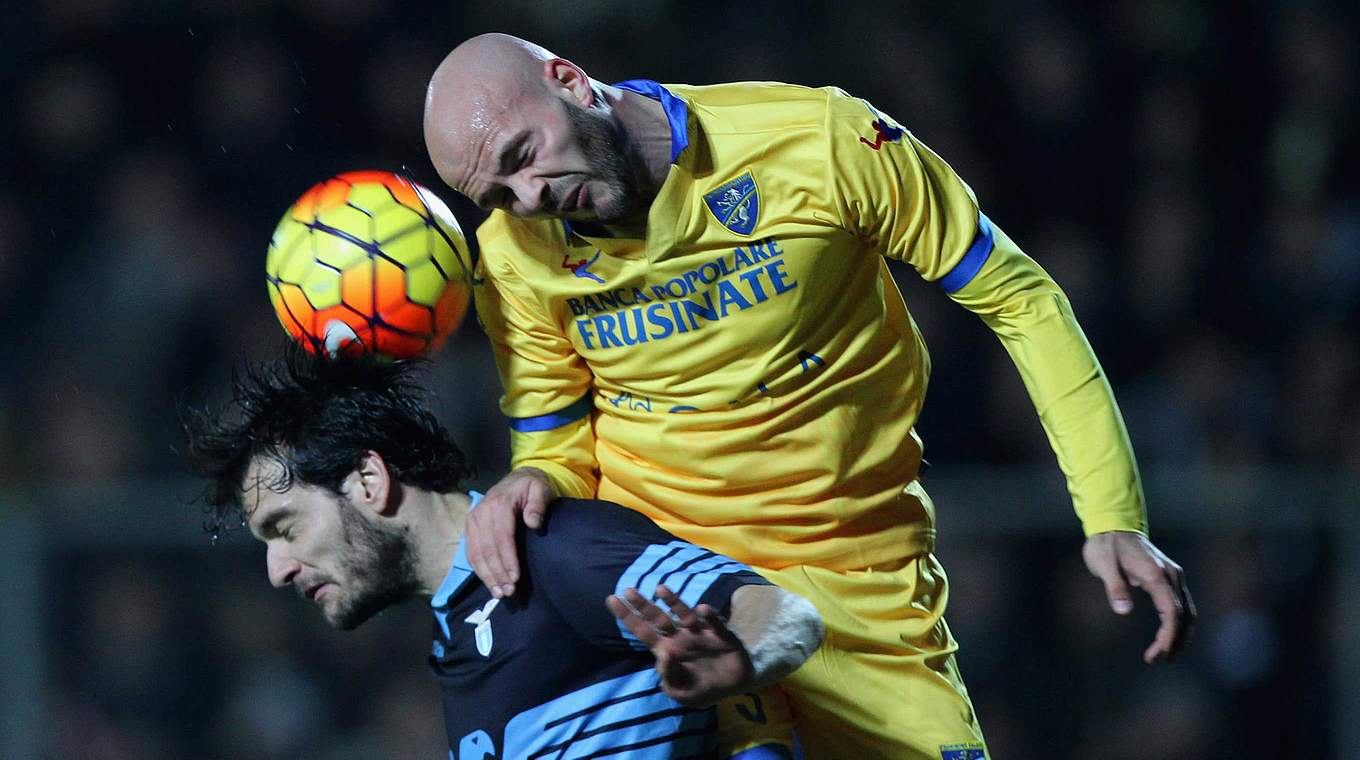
510 151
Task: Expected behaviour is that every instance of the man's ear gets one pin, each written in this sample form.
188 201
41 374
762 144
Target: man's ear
566 79
370 485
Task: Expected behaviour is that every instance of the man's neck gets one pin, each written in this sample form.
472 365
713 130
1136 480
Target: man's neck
438 536
647 137
648 129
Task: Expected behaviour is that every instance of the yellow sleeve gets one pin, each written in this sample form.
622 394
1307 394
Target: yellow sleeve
893 192
1034 320
548 387
913 207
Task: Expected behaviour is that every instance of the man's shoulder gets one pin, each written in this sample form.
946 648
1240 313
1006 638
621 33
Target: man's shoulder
584 546
589 520
753 106
730 94
574 529
502 236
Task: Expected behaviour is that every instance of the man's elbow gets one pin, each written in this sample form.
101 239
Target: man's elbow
791 632
804 617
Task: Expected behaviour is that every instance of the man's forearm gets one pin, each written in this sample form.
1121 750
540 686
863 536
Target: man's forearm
1033 319
779 629
565 455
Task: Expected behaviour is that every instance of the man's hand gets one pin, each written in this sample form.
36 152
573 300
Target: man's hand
699 658
1122 559
490 530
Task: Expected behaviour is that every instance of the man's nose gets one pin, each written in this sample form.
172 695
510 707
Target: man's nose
282 568
533 195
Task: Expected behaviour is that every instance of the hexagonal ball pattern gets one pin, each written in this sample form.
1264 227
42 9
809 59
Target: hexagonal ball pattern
347 222
373 255
395 221
425 282
389 285
322 287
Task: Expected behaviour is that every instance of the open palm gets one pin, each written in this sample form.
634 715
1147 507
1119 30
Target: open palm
699 658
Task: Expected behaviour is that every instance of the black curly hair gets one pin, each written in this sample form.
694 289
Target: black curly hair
317 415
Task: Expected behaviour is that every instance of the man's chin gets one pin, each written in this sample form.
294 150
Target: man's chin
352 616
616 216
344 624
347 621
615 205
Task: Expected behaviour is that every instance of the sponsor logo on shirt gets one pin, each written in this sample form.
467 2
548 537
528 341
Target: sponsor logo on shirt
884 130
736 204
731 283
582 267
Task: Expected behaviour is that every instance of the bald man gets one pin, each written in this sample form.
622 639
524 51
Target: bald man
686 293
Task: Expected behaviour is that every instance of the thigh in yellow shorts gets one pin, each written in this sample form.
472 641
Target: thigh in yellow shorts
756 726
884 683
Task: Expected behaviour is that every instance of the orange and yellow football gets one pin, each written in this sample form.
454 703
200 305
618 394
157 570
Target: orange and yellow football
369 258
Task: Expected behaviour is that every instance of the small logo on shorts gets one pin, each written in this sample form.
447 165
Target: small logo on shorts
965 751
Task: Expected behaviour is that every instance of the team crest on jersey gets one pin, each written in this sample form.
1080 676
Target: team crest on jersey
481 633
736 203
965 751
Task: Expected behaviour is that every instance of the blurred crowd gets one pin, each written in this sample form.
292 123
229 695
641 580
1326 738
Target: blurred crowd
1188 171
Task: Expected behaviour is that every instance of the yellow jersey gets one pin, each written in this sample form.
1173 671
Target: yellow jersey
747 375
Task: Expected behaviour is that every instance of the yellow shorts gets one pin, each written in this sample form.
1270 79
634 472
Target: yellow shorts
759 724
884 683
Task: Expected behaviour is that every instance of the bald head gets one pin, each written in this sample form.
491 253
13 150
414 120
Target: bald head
514 127
485 71
474 88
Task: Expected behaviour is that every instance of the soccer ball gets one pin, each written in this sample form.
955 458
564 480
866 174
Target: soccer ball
373 259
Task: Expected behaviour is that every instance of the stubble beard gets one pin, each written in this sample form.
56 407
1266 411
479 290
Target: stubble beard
379 569
607 150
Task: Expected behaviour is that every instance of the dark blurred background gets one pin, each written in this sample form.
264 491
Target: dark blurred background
1188 171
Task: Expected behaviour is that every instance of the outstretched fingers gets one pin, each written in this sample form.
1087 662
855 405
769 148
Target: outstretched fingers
484 552
650 622
659 619
680 612
631 619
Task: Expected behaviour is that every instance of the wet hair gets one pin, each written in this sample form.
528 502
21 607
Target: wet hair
317 416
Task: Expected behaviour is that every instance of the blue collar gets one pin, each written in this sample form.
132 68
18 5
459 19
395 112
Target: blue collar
677 115
460 570
677 112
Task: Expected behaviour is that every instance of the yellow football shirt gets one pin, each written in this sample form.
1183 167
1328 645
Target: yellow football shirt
748 375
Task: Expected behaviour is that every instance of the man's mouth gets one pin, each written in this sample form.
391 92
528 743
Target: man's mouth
315 590
575 200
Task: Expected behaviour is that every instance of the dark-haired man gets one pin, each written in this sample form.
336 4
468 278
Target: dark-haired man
352 485
686 292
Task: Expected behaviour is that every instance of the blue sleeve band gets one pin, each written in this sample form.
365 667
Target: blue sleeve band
764 752
972 261
578 410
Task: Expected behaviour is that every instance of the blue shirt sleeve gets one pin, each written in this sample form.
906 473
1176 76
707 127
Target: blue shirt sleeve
588 550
